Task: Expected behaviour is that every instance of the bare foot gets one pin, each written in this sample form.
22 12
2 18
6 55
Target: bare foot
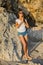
29 58
24 57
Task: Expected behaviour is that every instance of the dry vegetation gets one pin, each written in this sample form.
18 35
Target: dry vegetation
35 7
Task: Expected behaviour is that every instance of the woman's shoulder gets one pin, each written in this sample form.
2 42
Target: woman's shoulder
18 21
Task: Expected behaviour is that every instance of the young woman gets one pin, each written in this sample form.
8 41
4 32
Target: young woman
21 25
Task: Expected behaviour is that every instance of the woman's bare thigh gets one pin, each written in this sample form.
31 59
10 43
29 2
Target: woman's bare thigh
22 39
26 37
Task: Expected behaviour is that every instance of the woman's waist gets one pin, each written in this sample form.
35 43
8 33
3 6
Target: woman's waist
21 30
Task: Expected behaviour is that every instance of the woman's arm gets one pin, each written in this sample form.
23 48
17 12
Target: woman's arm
18 25
26 24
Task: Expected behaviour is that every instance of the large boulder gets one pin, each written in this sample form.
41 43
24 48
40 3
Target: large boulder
10 46
35 34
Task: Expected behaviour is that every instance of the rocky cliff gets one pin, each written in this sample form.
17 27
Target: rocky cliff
8 36
10 45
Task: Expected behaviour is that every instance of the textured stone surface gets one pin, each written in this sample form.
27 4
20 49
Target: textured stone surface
2 62
0 2
10 46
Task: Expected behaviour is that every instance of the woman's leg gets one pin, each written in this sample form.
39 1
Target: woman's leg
24 44
26 39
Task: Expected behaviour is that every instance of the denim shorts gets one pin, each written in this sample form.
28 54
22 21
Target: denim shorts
22 33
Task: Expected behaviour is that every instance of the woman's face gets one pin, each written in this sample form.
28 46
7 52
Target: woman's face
20 14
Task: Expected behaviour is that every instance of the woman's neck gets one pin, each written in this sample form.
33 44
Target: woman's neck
21 18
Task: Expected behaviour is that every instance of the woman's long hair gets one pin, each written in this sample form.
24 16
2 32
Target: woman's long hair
18 14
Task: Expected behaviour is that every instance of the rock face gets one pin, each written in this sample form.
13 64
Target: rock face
10 46
0 2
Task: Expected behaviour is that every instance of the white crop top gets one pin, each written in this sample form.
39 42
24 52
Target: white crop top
22 28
